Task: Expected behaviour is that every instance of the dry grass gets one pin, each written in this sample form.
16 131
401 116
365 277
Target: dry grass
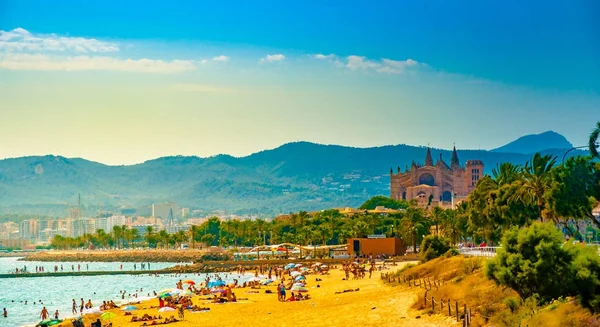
491 304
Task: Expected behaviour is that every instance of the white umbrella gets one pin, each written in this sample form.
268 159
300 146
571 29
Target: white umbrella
255 279
295 273
166 309
298 265
92 311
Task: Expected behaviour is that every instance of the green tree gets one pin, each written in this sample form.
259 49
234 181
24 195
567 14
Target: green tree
384 201
414 224
537 175
593 144
532 260
433 246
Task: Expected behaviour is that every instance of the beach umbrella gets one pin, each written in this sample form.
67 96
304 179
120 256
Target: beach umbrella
298 288
299 278
299 284
304 269
188 281
166 309
298 265
295 273
216 290
130 308
254 279
92 311
290 266
216 283
266 281
50 322
107 315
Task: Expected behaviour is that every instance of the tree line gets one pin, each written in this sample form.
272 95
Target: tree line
543 189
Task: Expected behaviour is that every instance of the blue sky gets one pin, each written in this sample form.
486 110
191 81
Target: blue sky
361 73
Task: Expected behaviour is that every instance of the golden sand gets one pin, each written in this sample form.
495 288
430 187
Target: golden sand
375 304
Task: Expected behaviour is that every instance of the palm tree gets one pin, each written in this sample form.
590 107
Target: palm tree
594 141
117 232
414 224
537 175
436 215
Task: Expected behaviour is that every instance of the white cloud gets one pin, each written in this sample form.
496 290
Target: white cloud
382 66
22 61
201 88
19 40
220 58
274 57
321 56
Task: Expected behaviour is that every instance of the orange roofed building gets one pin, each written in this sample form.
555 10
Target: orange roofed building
439 181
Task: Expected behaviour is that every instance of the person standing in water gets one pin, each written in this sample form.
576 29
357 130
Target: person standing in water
56 315
74 309
44 313
81 306
5 313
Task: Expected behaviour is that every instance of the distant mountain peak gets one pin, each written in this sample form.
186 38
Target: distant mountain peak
535 143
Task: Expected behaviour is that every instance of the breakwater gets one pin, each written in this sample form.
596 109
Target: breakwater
138 255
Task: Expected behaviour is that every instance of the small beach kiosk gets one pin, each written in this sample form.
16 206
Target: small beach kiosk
376 245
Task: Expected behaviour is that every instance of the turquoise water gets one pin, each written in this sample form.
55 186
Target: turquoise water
56 293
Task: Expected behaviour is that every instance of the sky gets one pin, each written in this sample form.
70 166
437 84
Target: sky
121 82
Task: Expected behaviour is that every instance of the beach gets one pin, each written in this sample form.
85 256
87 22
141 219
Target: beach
373 304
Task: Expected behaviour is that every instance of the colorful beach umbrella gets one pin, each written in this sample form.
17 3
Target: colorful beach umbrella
295 273
166 309
298 265
50 322
298 288
188 281
290 266
107 315
216 283
299 278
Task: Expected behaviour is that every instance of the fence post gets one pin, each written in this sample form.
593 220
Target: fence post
465 308
432 304
457 318
469 316
449 309
425 303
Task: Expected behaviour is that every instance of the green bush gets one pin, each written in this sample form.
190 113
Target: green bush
434 246
587 282
451 253
533 261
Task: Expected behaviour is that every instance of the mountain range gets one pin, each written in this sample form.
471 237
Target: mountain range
295 176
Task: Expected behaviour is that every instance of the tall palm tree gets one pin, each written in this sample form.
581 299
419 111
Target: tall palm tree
594 141
537 175
413 224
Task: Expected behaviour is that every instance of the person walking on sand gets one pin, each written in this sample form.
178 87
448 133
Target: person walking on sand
56 315
44 313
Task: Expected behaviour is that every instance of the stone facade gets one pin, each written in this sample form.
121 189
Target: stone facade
440 182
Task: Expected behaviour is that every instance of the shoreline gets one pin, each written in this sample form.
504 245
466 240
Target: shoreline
372 303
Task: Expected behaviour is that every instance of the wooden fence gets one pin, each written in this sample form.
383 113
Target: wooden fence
442 306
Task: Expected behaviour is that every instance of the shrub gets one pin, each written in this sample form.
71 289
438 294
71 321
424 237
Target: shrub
434 246
533 261
587 284
471 265
451 253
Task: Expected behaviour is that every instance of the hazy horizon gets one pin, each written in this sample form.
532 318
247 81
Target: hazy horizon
237 78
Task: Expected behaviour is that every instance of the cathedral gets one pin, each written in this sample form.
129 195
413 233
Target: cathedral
436 184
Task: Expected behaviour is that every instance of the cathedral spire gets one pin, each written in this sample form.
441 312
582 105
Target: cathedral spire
454 162
428 159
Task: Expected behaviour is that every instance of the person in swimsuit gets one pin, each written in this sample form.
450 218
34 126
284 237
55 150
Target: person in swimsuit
44 313
74 309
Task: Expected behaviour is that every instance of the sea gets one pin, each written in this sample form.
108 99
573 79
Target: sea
56 293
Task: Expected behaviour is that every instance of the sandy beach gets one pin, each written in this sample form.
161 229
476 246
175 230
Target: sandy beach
375 304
